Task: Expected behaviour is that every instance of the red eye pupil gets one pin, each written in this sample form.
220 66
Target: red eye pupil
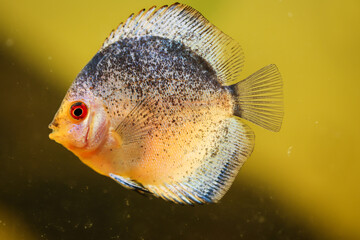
78 110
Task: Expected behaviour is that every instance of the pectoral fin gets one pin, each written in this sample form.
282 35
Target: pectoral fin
138 123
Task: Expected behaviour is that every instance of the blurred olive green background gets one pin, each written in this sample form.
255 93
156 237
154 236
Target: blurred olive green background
301 183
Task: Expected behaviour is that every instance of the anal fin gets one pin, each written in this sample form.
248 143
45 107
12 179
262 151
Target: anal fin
224 150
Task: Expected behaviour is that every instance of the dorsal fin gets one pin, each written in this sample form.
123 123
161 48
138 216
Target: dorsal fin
182 23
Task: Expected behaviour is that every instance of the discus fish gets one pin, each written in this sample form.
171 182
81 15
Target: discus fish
159 108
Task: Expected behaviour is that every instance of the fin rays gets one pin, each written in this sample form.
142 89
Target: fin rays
212 179
259 98
182 23
137 124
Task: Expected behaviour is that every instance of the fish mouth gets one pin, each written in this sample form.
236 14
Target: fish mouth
58 137
54 134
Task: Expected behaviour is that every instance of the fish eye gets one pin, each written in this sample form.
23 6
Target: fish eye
78 110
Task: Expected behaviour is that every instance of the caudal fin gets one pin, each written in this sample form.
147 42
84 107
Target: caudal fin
259 98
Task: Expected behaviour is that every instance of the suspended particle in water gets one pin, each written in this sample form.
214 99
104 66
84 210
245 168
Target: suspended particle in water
289 151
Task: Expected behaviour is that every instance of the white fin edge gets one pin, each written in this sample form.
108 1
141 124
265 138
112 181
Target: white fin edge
184 24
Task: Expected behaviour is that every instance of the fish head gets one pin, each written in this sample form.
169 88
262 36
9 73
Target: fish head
81 123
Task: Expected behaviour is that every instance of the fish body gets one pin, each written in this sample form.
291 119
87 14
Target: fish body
158 108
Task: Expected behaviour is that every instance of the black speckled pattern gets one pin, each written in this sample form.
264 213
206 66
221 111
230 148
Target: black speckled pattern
129 70
178 100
